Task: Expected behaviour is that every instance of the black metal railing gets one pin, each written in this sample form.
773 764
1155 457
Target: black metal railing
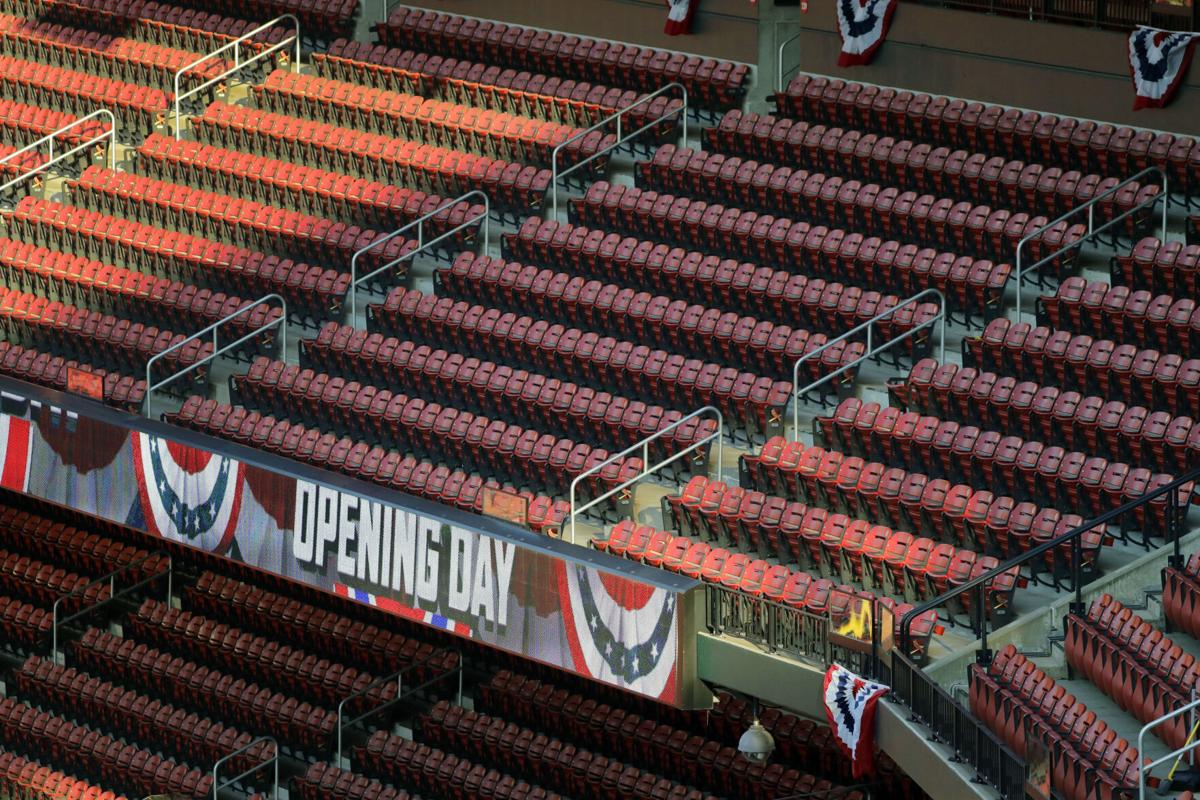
1079 570
777 627
780 628
953 725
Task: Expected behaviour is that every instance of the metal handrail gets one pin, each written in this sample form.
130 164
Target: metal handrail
816 627
1187 748
419 223
954 725
113 594
555 174
982 581
110 134
274 759
280 323
868 326
779 84
238 64
1090 206
647 470
398 677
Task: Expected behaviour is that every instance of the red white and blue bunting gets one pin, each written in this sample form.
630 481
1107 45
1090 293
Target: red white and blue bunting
620 632
680 14
1158 62
14 447
460 579
850 704
864 25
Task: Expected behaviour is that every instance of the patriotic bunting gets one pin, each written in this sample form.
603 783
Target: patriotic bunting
458 579
850 703
679 16
1158 62
14 439
864 25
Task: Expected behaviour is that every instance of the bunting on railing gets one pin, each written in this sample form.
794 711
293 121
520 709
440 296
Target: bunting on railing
1158 62
864 25
850 703
679 16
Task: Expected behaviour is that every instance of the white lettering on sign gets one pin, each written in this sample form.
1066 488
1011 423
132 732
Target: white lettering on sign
455 572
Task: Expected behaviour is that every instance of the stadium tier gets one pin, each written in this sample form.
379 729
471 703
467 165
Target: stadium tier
468 409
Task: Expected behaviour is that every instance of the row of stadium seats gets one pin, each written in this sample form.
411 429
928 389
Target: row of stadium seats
1099 309
42 735
1067 142
749 402
112 342
926 167
1021 703
868 208
1090 424
1027 470
311 291
20 777
537 95
435 122
225 696
132 295
1159 381
138 108
190 737
823 309
814 250
497 390
46 369
711 84
373 463
323 780
116 57
659 321
447 434
1170 267
511 186
164 24
365 646
892 562
316 191
1132 662
407 763
268 229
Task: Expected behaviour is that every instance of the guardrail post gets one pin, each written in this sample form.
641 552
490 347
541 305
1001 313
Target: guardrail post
54 158
871 351
1189 747
984 656
281 324
483 219
238 64
274 759
556 174
1089 206
398 677
644 446
113 594
779 70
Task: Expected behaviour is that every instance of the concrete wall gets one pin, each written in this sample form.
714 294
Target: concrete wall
1063 68
725 661
722 28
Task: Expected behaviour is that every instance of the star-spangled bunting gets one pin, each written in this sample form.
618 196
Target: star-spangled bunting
863 25
1158 62
680 14
850 703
